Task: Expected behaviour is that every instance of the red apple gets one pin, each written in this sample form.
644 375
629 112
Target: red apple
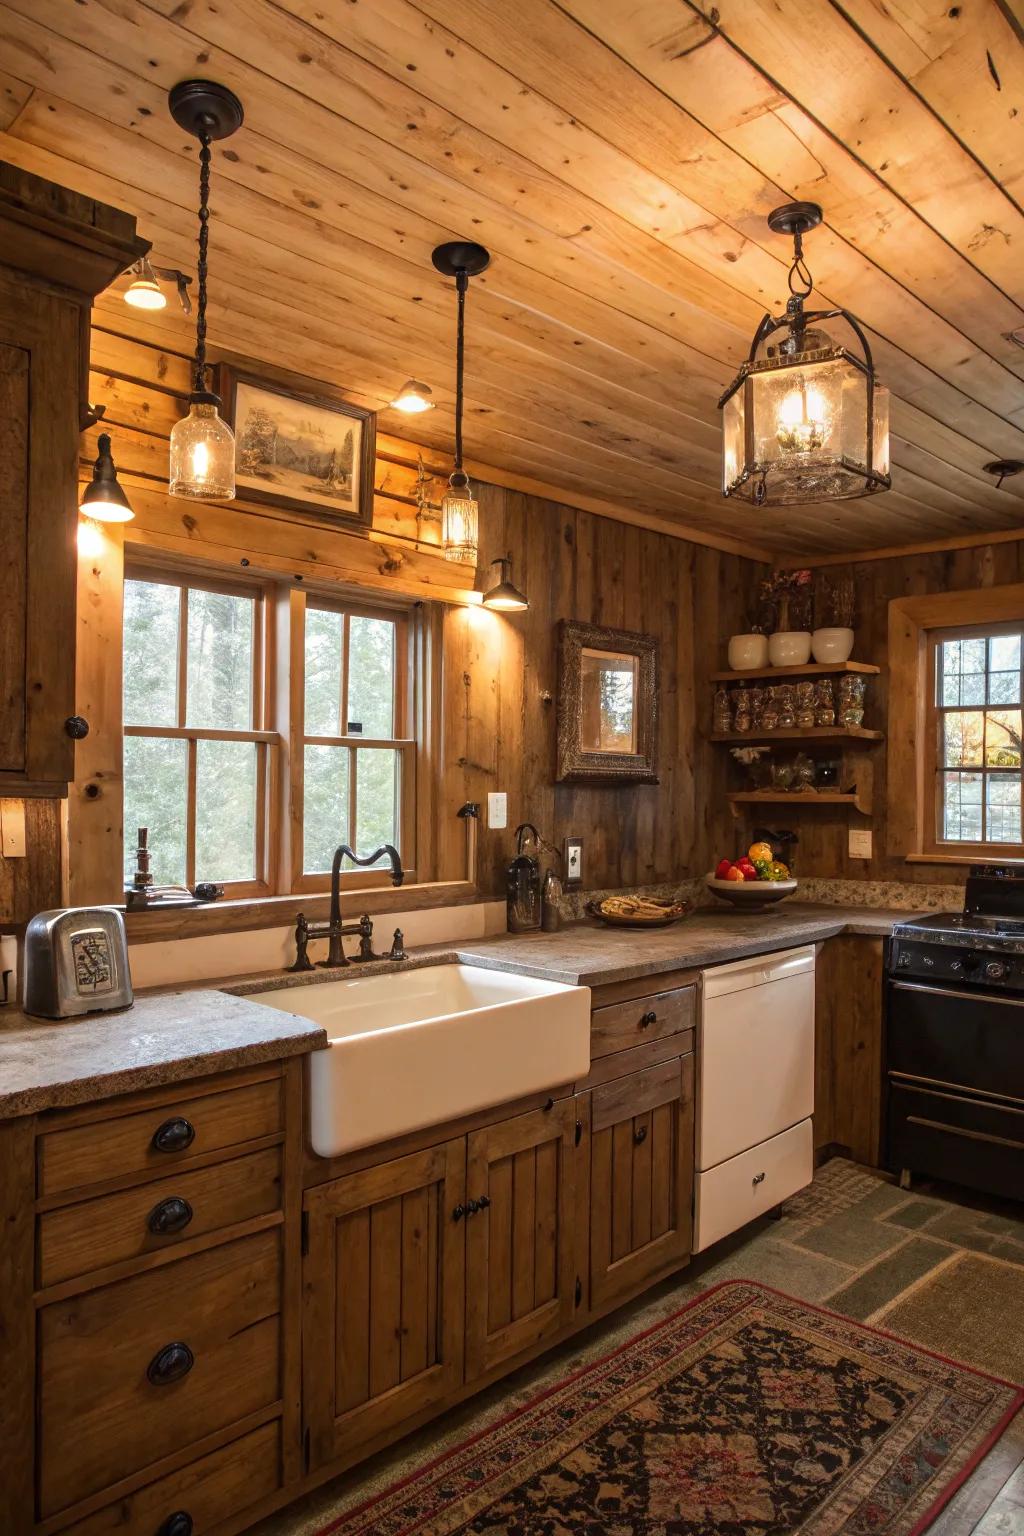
722 872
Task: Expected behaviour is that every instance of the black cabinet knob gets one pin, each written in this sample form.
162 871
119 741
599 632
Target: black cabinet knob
483 1202
170 1216
170 1364
646 1019
640 1135
178 1524
174 1135
472 1206
77 727
458 1213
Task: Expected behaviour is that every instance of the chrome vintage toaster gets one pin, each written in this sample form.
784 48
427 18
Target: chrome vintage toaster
76 961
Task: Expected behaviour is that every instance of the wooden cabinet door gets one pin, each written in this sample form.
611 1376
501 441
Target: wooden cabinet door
383 1297
641 1178
521 1274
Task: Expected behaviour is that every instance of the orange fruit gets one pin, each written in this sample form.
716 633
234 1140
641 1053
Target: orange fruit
760 853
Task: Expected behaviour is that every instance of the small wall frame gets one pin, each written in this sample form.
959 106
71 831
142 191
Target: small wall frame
607 705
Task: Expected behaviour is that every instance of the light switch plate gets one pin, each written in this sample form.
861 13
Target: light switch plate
860 844
573 860
497 811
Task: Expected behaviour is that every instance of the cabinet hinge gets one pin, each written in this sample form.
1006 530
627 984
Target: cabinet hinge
579 1290
304 1227
305 1449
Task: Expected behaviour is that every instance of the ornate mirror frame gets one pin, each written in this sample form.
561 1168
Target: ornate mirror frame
576 765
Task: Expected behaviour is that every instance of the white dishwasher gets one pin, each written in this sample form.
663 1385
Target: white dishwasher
755 1143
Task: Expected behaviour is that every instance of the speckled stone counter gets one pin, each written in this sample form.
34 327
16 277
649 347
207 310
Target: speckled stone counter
589 953
162 1039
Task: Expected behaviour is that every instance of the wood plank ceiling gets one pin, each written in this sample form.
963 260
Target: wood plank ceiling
618 157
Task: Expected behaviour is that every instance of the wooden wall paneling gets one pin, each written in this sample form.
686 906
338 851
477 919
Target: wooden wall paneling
95 850
34 883
848 1033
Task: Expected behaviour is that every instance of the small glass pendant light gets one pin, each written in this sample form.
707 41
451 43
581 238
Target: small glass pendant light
806 421
413 398
503 596
202 466
103 498
461 259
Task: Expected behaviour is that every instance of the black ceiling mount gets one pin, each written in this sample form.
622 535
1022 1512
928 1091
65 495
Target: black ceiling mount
204 107
1003 469
794 218
460 256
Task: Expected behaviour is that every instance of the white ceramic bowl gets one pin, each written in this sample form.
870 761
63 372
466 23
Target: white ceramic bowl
789 648
751 895
748 653
832 645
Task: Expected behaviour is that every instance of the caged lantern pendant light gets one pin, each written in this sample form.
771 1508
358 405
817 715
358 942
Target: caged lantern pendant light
202 444
461 259
806 421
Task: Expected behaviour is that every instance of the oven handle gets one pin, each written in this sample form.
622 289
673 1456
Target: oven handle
967 997
961 1092
960 1130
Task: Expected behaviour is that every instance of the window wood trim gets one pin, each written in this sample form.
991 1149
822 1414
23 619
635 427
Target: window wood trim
912 621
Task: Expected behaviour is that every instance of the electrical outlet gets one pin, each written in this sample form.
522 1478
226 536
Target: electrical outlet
860 844
573 860
497 811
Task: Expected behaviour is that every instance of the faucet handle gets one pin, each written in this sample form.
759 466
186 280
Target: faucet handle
366 938
397 950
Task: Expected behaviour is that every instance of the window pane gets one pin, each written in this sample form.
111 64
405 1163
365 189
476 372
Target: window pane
1002 815
1004 653
324 638
376 799
150 653
963 738
325 812
155 795
220 638
225 810
1002 738
371 676
961 814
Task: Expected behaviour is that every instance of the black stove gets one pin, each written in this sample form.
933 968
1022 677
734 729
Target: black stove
954 1039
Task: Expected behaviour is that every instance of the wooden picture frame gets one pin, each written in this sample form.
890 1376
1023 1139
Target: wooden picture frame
580 760
331 448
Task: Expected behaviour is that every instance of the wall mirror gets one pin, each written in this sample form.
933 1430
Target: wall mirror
607 705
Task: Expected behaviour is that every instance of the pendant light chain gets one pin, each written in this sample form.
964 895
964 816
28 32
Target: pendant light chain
202 265
461 287
801 283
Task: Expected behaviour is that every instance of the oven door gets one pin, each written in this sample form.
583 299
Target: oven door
964 1040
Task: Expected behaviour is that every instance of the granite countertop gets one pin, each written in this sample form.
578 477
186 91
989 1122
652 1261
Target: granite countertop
589 953
169 1038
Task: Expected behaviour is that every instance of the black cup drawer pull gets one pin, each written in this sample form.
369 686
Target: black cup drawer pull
640 1135
170 1216
647 1019
174 1135
758 1179
178 1524
170 1364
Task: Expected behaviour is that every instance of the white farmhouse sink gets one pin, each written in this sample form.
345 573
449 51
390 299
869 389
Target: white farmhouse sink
413 1048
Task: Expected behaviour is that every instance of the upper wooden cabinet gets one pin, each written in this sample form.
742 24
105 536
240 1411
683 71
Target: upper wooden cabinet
57 251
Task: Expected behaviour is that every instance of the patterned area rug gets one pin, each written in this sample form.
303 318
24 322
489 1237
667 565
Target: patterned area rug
744 1414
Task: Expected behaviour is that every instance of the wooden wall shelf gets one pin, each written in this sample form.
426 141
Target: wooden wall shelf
811 797
811 669
810 736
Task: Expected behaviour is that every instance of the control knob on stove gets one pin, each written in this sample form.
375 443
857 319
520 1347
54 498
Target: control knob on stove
995 970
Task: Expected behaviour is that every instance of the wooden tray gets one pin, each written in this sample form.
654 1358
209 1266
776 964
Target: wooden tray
673 913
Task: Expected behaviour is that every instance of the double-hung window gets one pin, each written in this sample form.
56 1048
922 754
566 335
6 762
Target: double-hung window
253 748
973 771
196 751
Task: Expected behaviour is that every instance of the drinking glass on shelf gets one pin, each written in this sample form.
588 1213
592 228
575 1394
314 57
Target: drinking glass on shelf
722 712
741 699
786 703
824 702
770 710
851 699
805 704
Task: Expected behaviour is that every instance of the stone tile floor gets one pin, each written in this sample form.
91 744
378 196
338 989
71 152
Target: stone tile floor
938 1266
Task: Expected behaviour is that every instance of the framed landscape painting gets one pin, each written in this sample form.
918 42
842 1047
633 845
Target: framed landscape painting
300 451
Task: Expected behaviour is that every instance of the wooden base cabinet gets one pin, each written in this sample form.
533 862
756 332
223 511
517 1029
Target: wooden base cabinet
383 1298
522 1282
641 1178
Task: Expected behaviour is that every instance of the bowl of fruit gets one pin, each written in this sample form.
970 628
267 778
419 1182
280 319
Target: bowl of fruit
754 882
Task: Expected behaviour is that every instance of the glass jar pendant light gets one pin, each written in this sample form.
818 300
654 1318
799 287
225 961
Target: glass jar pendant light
461 259
202 444
804 420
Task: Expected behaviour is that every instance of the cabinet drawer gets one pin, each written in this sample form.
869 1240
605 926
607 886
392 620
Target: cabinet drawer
208 1491
729 1196
620 1025
108 1404
156 1139
153 1217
